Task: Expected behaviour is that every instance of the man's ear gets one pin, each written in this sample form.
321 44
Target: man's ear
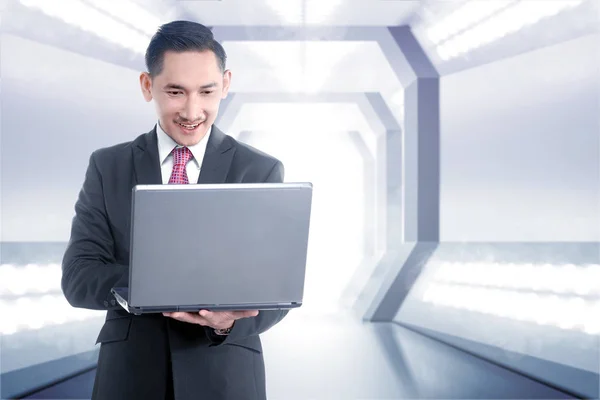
146 85
226 83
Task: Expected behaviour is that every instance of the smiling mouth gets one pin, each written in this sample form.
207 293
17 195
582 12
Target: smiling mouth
188 126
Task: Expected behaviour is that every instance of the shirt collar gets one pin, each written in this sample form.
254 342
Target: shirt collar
166 144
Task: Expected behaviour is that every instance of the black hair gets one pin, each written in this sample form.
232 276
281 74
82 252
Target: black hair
180 36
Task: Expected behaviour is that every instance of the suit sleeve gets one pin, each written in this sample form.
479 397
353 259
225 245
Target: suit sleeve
245 327
276 174
89 269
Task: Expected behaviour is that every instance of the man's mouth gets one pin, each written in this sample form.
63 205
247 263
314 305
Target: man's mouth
189 126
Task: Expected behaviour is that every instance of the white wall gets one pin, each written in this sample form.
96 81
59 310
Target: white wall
520 147
58 107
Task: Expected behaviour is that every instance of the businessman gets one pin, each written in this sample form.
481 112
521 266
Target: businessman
183 356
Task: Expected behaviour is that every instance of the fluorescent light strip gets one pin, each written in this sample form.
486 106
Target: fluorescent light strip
129 12
25 314
464 17
75 13
560 279
508 21
549 310
29 279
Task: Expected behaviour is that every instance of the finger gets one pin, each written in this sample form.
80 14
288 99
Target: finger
219 315
245 314
189 318
216 317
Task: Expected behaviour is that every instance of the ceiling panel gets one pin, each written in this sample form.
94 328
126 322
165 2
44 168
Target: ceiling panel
123 39
310 67
301 12
478 32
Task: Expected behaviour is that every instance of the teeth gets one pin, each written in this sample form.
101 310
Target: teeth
189 126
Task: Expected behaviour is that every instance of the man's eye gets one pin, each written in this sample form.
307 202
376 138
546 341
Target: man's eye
174 93
207 92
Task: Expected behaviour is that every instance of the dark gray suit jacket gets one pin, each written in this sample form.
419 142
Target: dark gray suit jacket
137 352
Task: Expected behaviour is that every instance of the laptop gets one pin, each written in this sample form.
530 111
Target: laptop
217 247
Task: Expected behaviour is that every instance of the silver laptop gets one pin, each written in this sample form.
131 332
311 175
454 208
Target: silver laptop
217 247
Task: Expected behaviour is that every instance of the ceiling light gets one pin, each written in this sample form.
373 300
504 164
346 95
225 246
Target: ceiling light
130 13
511 19
466 16
89 19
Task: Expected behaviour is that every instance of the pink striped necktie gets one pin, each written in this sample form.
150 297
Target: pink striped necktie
181 156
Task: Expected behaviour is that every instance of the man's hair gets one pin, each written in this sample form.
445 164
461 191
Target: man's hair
180 36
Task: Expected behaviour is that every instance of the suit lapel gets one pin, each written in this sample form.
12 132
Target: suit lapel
145 159
215 166
217 159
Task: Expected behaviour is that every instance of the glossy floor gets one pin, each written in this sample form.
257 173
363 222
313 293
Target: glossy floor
338 357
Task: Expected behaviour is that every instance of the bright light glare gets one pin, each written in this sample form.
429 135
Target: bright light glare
336 232
87 18
129 12
29 279
513 18
320 11
574 313
560 279
30 313
301 119
25 287
290 11
303 66
295 12
464 17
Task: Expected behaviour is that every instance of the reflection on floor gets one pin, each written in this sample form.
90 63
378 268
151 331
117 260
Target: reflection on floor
79 387
338 357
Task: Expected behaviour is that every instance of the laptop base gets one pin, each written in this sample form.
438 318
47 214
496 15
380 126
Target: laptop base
122 294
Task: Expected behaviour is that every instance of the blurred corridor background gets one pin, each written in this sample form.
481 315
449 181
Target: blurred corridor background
454 149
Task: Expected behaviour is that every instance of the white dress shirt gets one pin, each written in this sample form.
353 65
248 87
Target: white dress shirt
166 145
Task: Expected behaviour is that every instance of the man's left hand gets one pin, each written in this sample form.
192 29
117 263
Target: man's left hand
214 319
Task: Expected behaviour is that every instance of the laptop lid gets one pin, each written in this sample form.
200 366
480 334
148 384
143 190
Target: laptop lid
221 244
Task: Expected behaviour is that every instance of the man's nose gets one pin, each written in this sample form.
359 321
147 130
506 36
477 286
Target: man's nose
192 111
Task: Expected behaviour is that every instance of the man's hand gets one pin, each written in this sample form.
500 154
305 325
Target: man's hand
214 319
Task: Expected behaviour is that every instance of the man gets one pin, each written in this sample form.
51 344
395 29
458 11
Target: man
205 355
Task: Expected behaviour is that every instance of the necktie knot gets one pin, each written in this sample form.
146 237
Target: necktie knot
181 156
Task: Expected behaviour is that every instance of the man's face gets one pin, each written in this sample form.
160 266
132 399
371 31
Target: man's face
187 94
